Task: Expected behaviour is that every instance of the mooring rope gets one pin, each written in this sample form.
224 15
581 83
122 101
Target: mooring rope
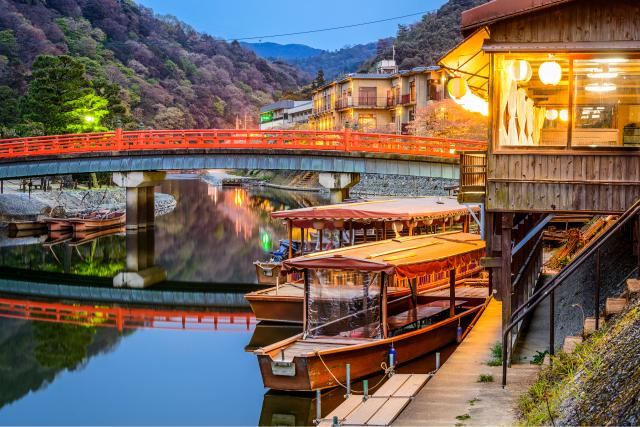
383 366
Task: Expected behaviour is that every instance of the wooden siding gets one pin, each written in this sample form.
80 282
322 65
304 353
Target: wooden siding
536 182
577 21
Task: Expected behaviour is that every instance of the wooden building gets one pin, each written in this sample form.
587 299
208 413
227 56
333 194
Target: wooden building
562 82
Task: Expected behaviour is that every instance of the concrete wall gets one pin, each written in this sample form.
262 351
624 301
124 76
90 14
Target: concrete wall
617 261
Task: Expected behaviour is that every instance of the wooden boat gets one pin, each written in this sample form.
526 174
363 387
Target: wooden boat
86 236
56 224
284 303
348 318
16 226
97 220
362 221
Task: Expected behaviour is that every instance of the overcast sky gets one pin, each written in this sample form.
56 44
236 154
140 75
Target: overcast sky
247 18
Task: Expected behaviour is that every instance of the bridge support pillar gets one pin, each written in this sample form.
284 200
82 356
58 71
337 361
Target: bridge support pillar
140 196
338 184
140 269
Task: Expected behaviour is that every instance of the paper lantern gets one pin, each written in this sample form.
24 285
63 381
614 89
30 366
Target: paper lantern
338 223
564 115
551 114
550 73
520 70
457 87
600 87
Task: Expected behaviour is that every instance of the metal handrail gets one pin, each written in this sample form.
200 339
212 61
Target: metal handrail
550 287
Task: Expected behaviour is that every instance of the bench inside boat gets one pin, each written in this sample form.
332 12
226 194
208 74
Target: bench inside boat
416 317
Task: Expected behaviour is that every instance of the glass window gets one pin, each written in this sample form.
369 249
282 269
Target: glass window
606 102
367 121
533 107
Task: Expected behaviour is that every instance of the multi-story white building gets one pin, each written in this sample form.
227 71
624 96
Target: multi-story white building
285 114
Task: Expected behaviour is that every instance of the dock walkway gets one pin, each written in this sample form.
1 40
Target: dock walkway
454 396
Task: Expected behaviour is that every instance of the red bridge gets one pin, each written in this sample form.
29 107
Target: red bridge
323 151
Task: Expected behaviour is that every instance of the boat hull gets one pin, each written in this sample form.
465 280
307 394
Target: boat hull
364 359
80 224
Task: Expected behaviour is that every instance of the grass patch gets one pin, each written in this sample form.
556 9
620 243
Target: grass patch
496 355
463 417
485 378
538 358
474 401
540 405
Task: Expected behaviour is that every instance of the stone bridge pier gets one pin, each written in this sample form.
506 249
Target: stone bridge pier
140 269
338 184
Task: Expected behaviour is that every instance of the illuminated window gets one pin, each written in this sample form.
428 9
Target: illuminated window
367 121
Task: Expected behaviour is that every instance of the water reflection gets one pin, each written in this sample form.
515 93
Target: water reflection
212 236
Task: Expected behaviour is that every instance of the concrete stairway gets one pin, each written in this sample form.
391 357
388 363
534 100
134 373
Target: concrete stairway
612 307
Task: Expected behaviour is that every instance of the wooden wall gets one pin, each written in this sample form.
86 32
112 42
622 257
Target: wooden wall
577 21
547 182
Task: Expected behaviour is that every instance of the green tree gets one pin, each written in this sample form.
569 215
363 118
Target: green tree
61 97
319 80
61 346
8 111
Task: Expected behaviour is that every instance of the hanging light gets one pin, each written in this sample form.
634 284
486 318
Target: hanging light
564 115
551 114
610 60
600 87
457 87
520 70
550 73
599 74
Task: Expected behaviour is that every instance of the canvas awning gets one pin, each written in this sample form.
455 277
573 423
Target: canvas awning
405 257
411 210
469 61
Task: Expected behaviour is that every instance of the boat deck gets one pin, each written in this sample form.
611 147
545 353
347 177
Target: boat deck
311 345
461 292
297 290
420 313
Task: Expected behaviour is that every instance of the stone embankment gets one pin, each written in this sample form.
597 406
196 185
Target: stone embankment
21 206
597 384
370 185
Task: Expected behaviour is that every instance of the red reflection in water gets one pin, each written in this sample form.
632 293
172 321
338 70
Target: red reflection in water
126 318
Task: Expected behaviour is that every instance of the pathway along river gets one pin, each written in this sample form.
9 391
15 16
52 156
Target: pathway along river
163 364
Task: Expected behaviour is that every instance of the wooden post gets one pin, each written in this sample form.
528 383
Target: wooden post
305 320
444 225
505 268
364 234
301 241
452 292
290 225
320 239
465 224
385 327
597 292
552 323
351 239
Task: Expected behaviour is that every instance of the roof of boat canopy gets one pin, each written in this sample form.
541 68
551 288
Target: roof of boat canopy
405 257
398 209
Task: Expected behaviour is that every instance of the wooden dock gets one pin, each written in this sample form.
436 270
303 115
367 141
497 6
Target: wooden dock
381 408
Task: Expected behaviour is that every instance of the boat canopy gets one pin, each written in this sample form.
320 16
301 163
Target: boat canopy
401 209
405 257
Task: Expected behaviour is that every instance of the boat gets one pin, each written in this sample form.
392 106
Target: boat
56 224
35 226
346 224
348 318
284 302
97 220
85 236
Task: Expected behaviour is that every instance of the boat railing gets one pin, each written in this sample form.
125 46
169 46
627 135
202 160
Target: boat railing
549 288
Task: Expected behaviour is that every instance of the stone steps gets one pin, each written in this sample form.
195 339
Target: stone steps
589 326
614 306
570 343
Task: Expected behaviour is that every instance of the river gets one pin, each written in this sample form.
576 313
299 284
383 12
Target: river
75 351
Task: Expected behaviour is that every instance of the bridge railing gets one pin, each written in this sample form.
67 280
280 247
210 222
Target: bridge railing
123 141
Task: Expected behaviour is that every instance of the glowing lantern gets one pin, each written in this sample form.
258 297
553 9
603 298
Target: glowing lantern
520 70
600 87
457 87
550 73
551 114
564 115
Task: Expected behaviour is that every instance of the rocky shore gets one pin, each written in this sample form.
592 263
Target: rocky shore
21 206
401 185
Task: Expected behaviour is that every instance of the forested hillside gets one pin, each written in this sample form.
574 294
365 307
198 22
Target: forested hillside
128 67
338 62
424 42
283 52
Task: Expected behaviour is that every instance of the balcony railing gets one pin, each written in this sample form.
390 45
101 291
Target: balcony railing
361 101
473 177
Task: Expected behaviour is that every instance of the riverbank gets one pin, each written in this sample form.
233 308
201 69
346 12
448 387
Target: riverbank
370 185
597 384
15 206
